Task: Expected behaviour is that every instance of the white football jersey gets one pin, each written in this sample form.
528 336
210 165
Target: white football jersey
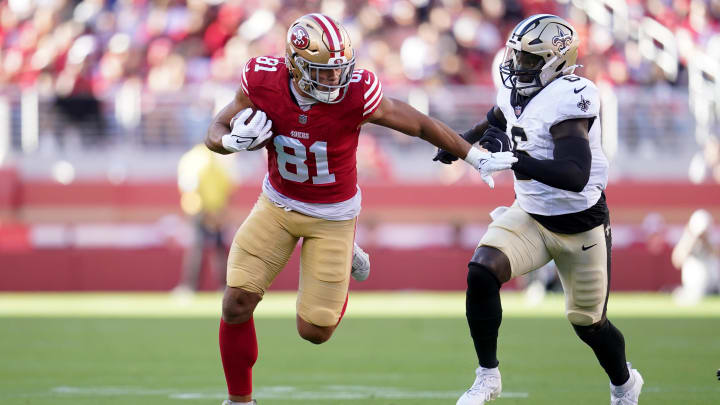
562 99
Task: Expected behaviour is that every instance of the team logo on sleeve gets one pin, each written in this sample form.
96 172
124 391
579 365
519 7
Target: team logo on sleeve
300 38
561 40
583 104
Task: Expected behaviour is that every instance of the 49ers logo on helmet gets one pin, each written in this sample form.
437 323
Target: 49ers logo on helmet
300 38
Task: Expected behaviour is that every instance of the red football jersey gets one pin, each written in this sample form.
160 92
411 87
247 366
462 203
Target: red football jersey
312 154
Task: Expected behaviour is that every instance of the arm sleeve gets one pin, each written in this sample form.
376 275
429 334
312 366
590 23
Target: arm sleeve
493 120
568 170
473 135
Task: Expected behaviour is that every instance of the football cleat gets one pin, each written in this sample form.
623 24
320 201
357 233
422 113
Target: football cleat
487 386
229 402
628 393
360 264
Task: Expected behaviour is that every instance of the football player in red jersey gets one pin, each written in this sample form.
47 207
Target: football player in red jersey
309 108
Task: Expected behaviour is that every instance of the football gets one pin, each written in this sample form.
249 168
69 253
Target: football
247 121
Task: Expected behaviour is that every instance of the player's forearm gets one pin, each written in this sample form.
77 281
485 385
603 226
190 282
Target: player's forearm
213 139
569 170
444 137
473 135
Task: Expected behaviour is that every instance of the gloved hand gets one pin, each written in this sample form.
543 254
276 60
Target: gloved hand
248 136
488 163
495 139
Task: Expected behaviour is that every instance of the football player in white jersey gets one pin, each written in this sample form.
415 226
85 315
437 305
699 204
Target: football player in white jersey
549 118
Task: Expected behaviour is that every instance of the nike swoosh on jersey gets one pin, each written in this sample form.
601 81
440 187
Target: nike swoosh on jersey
580 89
587 247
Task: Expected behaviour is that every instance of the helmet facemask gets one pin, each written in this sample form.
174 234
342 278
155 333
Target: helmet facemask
522 71
327 83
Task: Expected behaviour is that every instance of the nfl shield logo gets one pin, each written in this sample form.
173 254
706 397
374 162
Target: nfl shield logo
302 119
518 110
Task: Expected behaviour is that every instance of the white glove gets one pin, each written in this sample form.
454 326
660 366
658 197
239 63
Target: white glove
247 136
488 163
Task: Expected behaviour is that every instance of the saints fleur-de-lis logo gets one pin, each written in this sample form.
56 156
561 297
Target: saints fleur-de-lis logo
583 104
562 40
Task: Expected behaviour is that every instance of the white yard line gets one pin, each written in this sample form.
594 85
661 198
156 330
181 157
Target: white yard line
330 392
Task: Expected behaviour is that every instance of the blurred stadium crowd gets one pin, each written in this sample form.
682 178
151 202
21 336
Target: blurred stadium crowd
143 73
94 46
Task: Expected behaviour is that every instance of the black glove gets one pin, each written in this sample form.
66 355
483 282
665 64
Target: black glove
495 140
444 156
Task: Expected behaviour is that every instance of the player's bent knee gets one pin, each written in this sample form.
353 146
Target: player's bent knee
585 316
588 295
238 305
314 336
587 331
579 318
318 316
494 260
314 333
481 277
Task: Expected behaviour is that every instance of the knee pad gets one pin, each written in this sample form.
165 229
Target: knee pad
579 318
318 315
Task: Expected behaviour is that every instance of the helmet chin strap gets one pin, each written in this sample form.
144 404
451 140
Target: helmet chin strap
570 69
532 89
529 90
322 96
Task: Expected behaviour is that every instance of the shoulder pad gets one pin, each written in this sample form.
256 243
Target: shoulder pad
574 97
256 71
371 89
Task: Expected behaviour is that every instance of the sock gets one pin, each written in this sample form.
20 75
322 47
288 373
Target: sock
484 313
238 351
609 346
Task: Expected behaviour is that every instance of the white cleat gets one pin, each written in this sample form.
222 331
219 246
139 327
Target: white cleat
229 402
360 264
487 386
628 393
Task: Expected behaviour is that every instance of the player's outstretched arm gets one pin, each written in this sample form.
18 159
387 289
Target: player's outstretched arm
495 118
570 167
404 118
220 124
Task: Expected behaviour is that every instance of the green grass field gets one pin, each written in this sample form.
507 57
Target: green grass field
402 348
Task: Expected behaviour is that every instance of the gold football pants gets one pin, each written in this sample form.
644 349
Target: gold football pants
264 242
